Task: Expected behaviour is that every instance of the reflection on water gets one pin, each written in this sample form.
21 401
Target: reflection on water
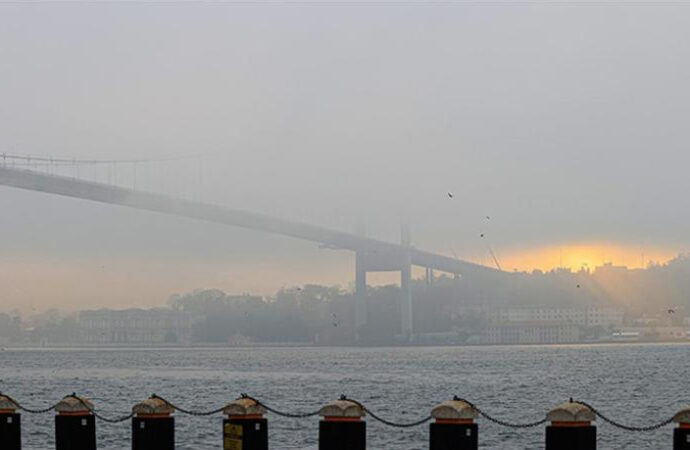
631 383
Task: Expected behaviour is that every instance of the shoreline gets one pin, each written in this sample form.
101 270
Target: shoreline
204 346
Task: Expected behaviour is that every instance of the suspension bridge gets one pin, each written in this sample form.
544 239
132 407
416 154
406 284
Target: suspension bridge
61 176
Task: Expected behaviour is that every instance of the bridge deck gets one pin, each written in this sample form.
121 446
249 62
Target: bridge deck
104 193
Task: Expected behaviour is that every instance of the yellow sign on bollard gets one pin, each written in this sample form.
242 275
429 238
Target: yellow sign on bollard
232 437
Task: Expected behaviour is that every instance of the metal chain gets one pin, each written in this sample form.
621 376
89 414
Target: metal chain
315 413
188 411
387 422
33 411
108 420
99 416
364 408
622 426
281 413
397 425
29 410
499 421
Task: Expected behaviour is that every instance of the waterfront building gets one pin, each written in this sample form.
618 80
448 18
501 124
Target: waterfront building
604 317
586 317
524 332
134 327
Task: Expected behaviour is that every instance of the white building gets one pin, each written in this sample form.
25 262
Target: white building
586 317
525 332
135 327
604 317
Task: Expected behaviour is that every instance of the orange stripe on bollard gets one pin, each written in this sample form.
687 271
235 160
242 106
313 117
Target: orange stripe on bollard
74 413
341 419
455 421
570 424
247 417
153 416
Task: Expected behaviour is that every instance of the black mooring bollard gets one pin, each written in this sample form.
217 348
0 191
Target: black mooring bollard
10 425
153 427
342 427
571 428
454 428
245 428
75 425
681 435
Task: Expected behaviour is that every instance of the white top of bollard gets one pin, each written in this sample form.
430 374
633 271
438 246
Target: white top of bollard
682 416
74 404
244 407
571 412
342 408
454 409
153 406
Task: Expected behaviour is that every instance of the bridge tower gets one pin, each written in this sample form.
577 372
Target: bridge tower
360 293
406 327
373 262
369 261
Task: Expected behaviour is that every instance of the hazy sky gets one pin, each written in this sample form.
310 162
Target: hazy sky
566 123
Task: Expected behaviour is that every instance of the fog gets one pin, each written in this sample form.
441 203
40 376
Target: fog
564 122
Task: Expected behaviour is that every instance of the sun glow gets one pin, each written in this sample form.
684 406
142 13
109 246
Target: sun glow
576 256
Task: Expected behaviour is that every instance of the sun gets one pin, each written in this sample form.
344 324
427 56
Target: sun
583 256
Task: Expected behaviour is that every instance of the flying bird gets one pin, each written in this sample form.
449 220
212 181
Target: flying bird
450 195
481 235
671 311
578 286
